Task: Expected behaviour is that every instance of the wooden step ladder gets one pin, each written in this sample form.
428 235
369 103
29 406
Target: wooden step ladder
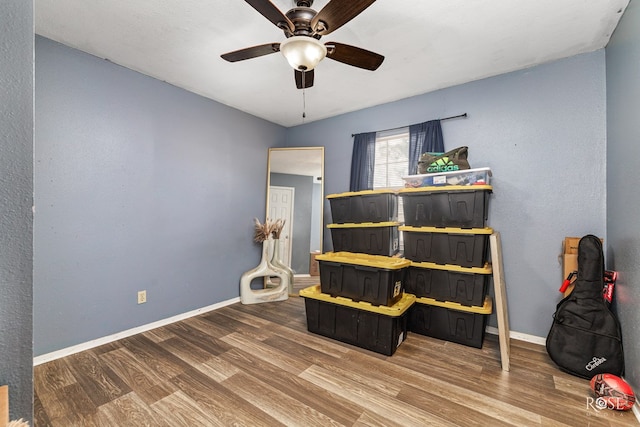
499 289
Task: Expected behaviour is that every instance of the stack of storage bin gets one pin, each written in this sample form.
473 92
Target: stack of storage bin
365 222
446 240
361 299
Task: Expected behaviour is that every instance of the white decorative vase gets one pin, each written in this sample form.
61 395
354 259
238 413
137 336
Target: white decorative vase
276 260
264 269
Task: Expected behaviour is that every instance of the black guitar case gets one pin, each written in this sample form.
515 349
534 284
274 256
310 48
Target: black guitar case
585 337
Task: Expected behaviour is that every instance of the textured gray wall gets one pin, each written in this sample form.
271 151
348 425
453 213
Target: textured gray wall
16 218
138 185
623 181
542 131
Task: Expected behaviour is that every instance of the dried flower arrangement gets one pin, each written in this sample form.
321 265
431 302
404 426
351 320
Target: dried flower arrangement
270 228
277 228
262 231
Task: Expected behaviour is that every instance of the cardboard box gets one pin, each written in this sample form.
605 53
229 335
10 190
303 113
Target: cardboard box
314 267
569 255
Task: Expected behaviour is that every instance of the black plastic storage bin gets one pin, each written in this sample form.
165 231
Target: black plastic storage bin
466 247
379 238
452 283
450 321
364 206
377 328
374 279
452 206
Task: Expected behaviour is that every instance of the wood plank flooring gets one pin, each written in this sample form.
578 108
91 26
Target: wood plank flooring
257 365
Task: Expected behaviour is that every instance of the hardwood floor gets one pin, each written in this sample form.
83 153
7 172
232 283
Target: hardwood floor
257 365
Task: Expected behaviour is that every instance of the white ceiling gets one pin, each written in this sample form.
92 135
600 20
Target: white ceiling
427 44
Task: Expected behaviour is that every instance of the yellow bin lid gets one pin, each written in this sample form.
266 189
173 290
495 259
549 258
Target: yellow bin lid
486 308
449 230
364 224
398 309
486 269
362 193
377 261
433 189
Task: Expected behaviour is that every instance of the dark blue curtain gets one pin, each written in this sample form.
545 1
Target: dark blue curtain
424 138
362 161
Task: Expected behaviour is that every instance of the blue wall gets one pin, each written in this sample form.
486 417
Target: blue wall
541 131
127 168
128 171
16 201
138 185
623 181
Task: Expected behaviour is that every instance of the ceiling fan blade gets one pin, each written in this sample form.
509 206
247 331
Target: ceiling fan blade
304 79
336 13
354 56
272 13
251 52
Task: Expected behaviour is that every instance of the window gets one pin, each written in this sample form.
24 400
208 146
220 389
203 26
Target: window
392 158
391 164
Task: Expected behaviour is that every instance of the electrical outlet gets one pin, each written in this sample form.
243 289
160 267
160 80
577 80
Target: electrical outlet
142 297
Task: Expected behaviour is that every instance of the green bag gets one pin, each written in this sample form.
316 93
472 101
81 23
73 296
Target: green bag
450 161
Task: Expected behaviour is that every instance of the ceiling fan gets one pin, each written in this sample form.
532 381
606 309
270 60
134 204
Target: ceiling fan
303 28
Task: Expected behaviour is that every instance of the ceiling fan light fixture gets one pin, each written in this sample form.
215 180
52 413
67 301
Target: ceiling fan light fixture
303 52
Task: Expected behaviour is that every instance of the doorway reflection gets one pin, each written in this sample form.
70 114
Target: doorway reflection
295 192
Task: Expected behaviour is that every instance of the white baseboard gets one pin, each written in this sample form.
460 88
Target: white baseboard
519 336
129 332
105 340
38 360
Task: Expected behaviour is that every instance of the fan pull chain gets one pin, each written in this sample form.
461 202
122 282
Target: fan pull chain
304 101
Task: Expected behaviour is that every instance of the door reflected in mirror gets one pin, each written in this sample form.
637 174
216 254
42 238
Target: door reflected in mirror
295 193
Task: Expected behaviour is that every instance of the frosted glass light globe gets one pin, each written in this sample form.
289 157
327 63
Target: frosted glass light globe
302 52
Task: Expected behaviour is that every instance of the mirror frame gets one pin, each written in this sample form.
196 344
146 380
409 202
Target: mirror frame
320 225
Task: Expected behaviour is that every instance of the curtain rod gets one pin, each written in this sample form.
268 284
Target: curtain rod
442 120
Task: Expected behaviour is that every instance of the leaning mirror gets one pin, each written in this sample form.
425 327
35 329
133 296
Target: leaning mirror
295 193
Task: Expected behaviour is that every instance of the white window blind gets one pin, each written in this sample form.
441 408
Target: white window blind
392 158
391 164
